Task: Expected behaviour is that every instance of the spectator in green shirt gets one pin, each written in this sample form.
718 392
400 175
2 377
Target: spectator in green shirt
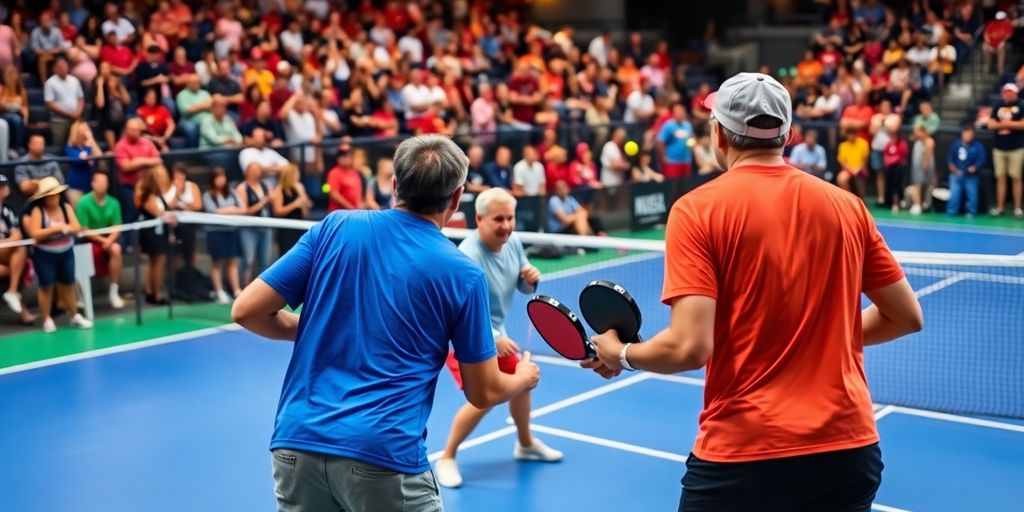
218 130
194 104
927 118
97 210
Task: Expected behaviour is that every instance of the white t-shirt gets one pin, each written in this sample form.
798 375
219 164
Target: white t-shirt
529 176
382 36
418 96
638 104
122 27
828 104
265 157
319 8
292 41
610 153
413 46
300 128
598 50
64 92
381 57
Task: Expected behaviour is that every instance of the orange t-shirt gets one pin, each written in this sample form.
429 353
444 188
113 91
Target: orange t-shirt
787 266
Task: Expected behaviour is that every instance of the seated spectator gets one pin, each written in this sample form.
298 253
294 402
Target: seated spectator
218 131
852 157
97 210
674 142
614 164
567 216
525 93
498 173
639 105
809 156
826 105
528 174
193 106
14 109
52 224
222 242
808 71
583 170
157 120
344 184
965 160
119 25
476 181
65 100
81 152
121 59
12 259
35 166
180 68
264 119
944 57
290 201
704 155
155 241
385 122
135 156
644 173
380 194
557 168
45 44
922 170
254 198
153 73
858 117
269 162
251 99
927 118
223 86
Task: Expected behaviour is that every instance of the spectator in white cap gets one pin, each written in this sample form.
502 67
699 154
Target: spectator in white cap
764 270
1007 122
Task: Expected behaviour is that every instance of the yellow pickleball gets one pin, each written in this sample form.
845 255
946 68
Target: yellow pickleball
631 148
326 188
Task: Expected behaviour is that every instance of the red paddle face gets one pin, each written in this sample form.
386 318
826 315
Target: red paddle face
559 327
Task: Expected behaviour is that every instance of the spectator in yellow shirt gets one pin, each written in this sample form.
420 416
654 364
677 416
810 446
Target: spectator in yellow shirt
853 163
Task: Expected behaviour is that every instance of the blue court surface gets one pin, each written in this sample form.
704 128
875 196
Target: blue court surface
184 423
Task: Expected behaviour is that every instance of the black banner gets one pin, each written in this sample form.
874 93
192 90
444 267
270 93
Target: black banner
648 205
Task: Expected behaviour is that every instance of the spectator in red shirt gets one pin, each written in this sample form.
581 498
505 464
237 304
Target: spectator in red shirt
525 93
830 59
345 183
121 58
558 168
997 32
699 112
135 155
895 159
280 94
159 124
858 117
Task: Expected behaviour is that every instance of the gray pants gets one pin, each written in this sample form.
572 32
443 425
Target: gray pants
312 482
59 126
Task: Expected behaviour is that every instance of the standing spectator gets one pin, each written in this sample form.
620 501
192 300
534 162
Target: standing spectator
159 123
704 155
380 194
498 173
301 126
417 98
97 210
12 259
809 156
183 196
218 131
852 157
966 157
557 169
289 201
36 166
674 141
927 118
81 152
269 162
52 224
114 22
895 159
222 243
121 59
600 47
614 164
135 156
14 107
476 182
111 103
193 106
344 184
567 216
46 44
525 93
484 114
223 86
10 45
528 174
882 124
155 241
65 100
153 73
255 199
997 32
858 116
1008 150
639 105
922 169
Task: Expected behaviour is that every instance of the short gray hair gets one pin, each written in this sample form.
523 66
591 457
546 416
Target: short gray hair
485 199
429 170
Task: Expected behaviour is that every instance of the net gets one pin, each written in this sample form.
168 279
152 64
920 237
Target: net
969 359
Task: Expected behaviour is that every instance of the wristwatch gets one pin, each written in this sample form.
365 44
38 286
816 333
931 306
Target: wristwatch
623 362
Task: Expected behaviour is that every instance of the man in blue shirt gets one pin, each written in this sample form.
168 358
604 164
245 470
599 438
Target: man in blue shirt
499 172
809 156
498 251
566 216
674 142
966 157
382 293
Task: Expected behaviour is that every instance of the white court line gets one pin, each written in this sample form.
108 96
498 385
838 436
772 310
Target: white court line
128 347
958 419
884 411
600 441
934 287
885 508
486 438
950 229
972 276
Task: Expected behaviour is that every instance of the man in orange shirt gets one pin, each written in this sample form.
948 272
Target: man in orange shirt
764 269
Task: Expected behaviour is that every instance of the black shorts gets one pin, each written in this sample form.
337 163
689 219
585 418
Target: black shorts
54 267
839 481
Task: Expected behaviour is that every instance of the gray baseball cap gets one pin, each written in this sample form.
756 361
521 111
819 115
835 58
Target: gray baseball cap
746 96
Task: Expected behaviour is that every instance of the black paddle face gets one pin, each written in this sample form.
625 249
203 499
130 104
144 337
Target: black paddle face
559 327
606 305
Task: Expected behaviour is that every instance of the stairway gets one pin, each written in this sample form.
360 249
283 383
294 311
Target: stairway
974 87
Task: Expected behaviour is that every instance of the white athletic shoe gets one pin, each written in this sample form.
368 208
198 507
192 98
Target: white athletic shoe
116 301
538 451
49 326
915 210
447 473
223 297
13 301
81 322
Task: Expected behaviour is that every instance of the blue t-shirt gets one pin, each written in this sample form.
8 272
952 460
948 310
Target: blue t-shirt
568 206
676 135
502 269
79 168
382 293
